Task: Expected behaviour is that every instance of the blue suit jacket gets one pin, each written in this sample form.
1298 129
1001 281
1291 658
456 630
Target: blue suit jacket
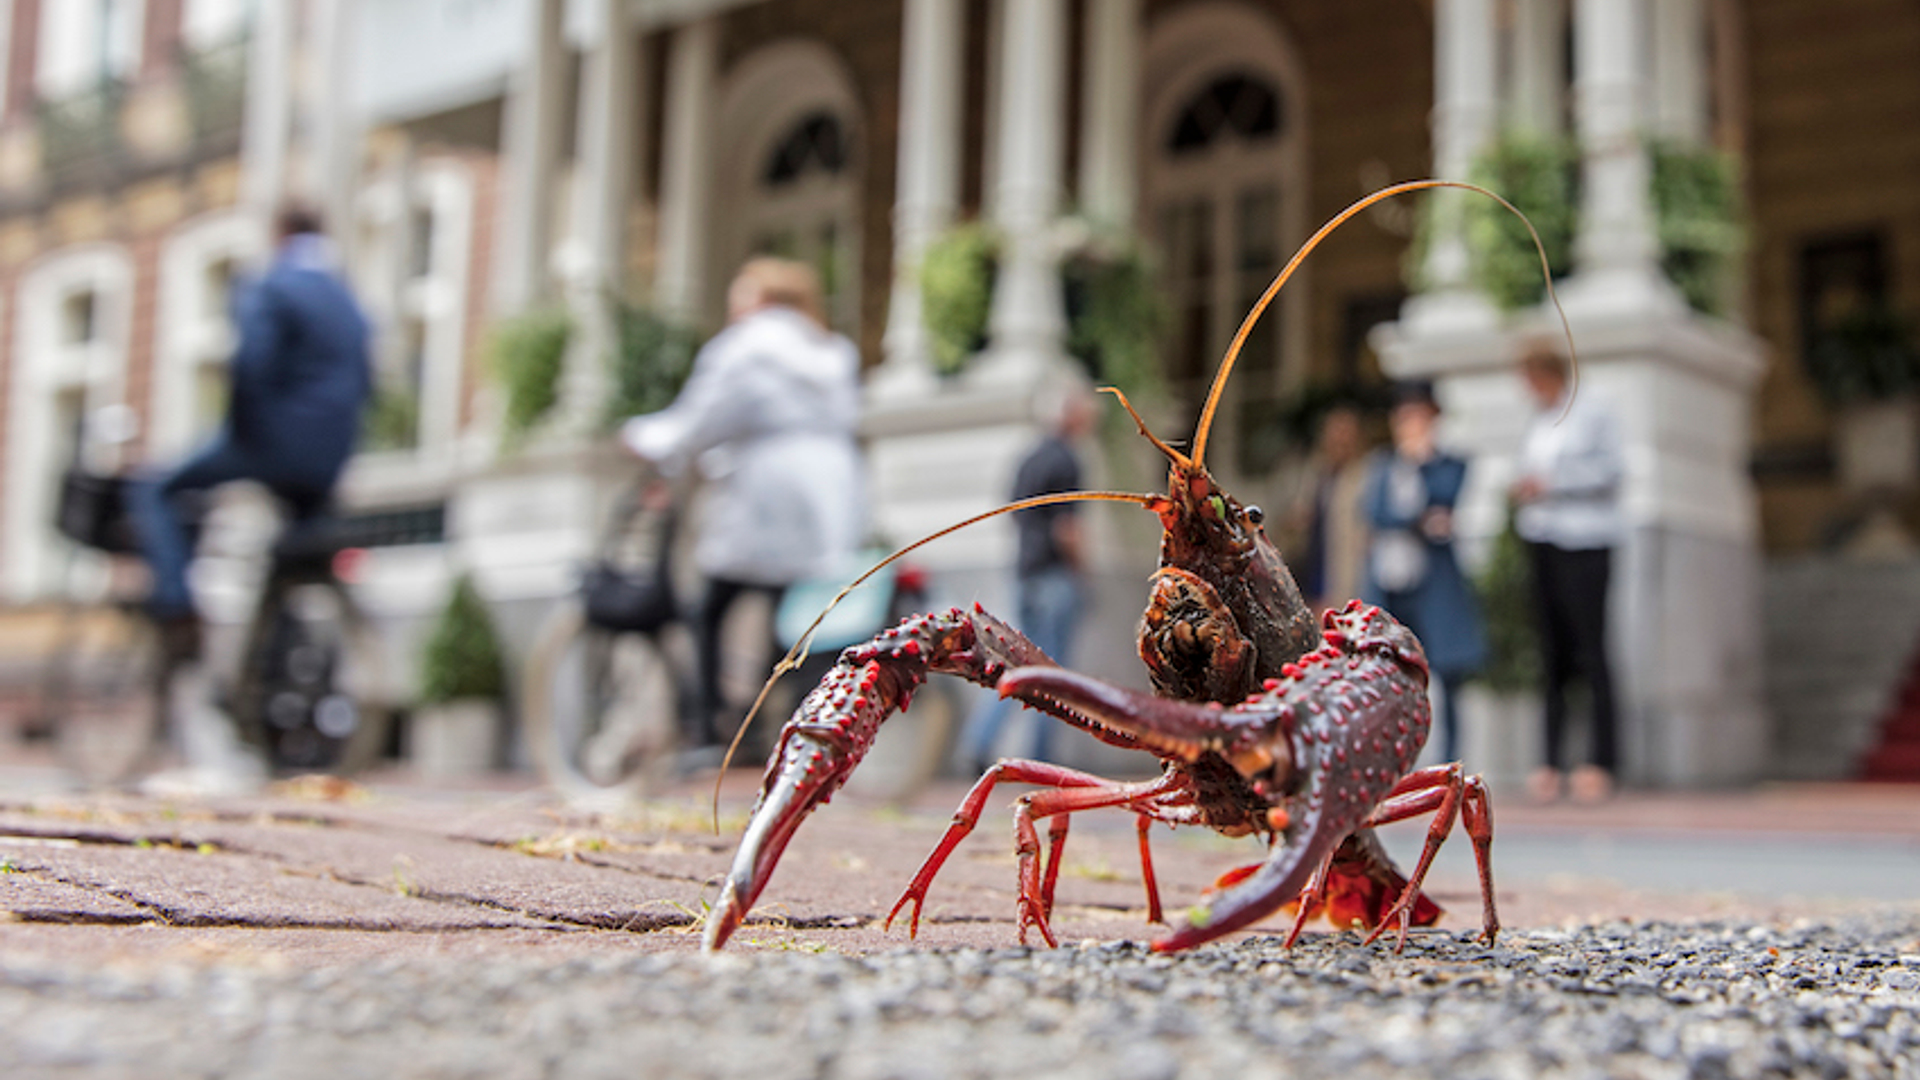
1441 609
301 374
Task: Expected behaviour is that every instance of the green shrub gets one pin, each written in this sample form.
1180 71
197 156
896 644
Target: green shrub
1116 315
1696 203
528 352
651 364
1505 585
1870 355
392 418
1541 178
956 293
462 655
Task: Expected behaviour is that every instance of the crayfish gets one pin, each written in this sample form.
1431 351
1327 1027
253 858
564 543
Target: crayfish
1265 723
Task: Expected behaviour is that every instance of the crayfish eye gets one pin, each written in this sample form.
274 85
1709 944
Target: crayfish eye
1255 516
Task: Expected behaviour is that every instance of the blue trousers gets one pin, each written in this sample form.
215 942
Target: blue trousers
164 535
1049 606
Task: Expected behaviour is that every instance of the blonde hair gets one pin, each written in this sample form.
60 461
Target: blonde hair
785 283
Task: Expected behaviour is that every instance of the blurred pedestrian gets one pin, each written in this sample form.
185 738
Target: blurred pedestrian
299 377
1567 510
768 415
1411 570
1049 588
1333 561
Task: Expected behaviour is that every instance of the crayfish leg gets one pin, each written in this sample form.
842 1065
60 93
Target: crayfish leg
1449 794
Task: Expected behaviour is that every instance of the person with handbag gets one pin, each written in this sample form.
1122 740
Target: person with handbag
768 416
1411 568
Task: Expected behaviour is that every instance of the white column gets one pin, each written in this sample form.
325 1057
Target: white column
1680 70
1538 70
1617 252
602 186
1465 79
1110 113
929 177
686 180
269 117
530 141
1029 320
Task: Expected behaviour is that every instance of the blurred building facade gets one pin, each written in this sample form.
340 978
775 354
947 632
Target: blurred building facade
481 158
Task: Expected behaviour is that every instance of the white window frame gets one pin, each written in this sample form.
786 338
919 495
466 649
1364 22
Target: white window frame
44 367
195 337
437 300
82 44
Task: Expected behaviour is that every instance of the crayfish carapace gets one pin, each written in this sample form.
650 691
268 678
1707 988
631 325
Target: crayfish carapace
1264 722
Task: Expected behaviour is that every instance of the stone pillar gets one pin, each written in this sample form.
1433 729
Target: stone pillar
686 180
1028 322
1464 108
1680 70
530 143
595 250
931 88
1537 80
1617 252
1110 114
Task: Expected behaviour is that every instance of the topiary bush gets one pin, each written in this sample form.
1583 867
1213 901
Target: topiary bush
1696 203
1117 316
462 657
1541 178
1505 586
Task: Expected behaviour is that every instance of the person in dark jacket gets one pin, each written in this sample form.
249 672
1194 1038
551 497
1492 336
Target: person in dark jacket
1411 570
299 378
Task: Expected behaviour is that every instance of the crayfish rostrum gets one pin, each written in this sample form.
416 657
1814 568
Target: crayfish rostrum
1265 723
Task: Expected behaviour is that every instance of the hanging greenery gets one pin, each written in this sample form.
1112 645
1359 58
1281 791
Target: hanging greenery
1505 586
1696 203
956 293
527 353
652 363
1870 355
1540 177
1117 314
392 418
462 655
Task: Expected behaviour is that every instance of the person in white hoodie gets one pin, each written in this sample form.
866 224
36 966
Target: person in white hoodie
769 416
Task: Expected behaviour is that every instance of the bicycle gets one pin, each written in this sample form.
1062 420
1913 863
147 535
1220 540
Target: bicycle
611 672
308 691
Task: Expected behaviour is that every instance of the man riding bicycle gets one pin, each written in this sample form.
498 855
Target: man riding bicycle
300 377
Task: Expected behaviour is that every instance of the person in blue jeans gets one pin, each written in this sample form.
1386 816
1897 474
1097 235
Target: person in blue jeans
1411 570
299 378
1048 589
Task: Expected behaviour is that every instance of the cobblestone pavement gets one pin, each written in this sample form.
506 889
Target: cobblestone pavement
405 930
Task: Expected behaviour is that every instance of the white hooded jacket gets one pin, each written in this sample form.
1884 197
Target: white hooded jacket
770 412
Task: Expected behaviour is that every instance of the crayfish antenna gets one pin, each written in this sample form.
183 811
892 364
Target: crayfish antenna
1260 306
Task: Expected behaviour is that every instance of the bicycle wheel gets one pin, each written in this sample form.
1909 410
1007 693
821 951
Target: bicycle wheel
106 695
311 688
601 709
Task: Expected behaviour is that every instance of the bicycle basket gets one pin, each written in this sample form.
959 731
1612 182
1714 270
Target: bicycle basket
619 599
92 511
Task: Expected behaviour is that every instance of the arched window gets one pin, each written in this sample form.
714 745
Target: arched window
1224 197
793 166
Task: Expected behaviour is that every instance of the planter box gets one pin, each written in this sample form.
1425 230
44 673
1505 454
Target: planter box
454 739
1877 445
1503 739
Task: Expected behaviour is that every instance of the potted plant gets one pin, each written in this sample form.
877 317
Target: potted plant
1866 364
654 358
456 728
